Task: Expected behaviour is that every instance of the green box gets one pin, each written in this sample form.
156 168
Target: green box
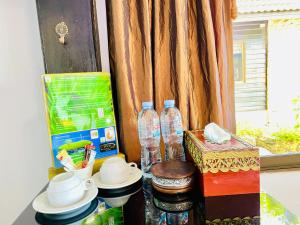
79 111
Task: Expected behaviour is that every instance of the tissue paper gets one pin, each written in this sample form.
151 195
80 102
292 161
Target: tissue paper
216 134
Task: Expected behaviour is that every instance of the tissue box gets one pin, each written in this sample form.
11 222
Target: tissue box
231 209
224 169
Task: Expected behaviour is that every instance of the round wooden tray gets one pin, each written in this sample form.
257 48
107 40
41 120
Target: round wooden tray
173 169
172 177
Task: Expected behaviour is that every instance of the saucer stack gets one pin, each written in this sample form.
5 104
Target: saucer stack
172 177
67 217
53 208
112 187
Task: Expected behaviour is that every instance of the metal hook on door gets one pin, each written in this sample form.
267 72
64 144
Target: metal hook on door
62 30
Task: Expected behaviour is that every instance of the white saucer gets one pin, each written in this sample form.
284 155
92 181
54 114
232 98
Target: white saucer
119 201
136 175
41 204
67 215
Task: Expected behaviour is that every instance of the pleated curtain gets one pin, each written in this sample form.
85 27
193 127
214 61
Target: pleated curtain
172 49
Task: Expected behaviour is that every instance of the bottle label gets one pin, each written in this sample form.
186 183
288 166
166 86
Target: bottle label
179 132
156 133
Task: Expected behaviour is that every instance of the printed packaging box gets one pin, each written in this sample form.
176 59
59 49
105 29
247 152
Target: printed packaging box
224 169
105 215
79 112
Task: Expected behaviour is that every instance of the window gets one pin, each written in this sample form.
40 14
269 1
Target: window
266 49
250 65
239 61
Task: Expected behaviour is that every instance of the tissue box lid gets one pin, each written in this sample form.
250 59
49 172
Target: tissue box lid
235 155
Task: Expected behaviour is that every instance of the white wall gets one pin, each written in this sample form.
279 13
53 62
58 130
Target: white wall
24 147
283 70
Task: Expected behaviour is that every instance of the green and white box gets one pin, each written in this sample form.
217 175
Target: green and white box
79 111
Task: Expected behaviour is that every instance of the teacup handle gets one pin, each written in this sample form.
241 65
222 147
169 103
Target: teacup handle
67 169
132 164
87 184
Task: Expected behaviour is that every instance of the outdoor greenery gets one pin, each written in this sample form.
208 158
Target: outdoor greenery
296 109
277 141
280 141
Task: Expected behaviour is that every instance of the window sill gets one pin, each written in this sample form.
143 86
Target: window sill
280 162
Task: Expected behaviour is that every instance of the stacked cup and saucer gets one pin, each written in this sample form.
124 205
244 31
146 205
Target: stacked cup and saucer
67 200
117 180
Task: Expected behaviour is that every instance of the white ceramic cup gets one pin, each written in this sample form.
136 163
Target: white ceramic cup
66 189
84 173
115 170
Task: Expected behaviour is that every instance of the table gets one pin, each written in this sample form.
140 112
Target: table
272 212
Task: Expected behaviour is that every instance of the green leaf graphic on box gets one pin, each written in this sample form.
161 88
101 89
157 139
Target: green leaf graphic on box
73 102
74 145
103 218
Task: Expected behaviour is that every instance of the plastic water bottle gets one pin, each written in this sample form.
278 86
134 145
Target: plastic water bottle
149 136
171 127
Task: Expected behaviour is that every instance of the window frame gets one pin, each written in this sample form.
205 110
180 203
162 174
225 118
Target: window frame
280 161
289 160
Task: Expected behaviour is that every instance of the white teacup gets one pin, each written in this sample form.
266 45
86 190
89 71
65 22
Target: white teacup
66 189
115 170
83 173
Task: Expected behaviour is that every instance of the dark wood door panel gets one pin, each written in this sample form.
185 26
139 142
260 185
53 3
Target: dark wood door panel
78 53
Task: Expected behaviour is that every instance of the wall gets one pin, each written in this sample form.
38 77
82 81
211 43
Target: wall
283 69
25 155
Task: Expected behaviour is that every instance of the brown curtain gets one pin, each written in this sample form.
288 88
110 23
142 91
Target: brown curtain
172 49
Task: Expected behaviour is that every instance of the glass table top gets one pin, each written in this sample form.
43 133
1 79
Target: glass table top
186 209
275 213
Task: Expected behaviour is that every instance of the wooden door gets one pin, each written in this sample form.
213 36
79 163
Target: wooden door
79 53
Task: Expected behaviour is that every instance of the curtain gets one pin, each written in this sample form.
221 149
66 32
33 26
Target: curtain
172 49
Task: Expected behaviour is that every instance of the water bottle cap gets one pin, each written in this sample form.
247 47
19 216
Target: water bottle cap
147 105
169 103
